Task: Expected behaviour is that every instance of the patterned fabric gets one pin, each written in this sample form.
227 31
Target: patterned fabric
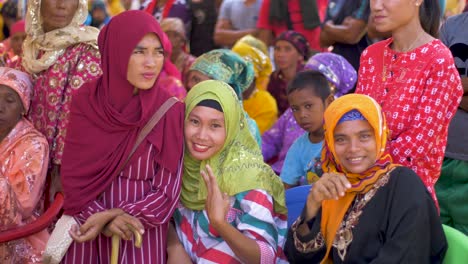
18 81
145 191
336 69
419 92
261 62
333 211
251 213
225 65
278 139
298 41
43 49
23 168
239 158
53 89
254 42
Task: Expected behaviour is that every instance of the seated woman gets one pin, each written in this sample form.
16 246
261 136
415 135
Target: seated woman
233 208
365 208
258 103
225 65
106 188
24 153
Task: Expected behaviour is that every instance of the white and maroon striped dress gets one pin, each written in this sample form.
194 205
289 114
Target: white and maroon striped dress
144 190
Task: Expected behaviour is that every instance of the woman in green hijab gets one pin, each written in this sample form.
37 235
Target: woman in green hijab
227 66
233 207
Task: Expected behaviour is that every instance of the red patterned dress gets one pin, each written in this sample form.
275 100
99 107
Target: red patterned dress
419 91
53 89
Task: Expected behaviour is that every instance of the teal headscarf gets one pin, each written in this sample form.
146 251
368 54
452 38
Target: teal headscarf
225 65
239 165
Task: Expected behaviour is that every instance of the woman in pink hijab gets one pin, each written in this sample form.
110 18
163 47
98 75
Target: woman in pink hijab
24 154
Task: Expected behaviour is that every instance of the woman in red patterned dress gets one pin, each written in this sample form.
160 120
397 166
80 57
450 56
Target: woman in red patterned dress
413 77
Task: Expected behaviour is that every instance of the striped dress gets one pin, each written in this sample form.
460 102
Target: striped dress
145 191
251 213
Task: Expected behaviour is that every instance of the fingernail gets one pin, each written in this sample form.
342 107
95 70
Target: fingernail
348 185
342 193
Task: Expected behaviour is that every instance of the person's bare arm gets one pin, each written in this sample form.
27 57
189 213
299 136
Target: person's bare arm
350 32
225 35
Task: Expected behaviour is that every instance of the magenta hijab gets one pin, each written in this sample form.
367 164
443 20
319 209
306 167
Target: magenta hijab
106 118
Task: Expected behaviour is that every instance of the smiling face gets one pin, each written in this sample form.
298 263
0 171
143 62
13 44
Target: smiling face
389 15
355 145
195 77
205 132
57 14
146 62
11 109
308 109
286 55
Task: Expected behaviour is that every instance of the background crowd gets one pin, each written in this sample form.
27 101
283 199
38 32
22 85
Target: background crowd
365 101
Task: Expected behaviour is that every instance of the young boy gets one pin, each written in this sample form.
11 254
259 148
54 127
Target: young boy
309 94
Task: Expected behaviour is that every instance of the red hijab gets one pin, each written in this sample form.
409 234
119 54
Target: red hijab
106 118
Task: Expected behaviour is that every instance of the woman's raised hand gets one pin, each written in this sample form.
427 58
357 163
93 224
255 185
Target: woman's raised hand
329 186
217 203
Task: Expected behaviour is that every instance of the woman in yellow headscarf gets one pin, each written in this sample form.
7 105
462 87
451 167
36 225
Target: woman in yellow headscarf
258 102
364 208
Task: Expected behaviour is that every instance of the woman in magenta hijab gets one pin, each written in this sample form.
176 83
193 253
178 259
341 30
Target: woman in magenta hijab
106 117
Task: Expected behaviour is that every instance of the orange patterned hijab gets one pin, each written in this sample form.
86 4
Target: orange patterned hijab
333 211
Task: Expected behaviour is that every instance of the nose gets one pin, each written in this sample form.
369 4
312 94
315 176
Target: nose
150 61
303 114
354 145
201 133
376 5
60 4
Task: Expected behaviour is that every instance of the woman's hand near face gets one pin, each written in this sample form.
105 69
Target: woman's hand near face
329 186
93 225
217 203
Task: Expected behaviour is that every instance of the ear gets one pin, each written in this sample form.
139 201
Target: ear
329 100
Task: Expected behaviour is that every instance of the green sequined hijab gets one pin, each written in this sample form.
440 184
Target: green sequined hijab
239 165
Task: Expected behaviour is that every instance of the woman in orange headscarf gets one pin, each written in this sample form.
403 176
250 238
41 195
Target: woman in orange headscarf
364 208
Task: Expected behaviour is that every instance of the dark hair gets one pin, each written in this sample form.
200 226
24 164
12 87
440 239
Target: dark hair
313 80
429 16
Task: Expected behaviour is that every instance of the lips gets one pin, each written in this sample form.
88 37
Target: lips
378 19
149 76
355 160
199 147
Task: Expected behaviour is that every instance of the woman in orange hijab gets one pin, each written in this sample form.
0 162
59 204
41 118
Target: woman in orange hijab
364 208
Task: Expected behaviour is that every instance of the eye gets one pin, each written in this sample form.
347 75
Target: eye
159 53
366 136
339 140
194 121
138 51
308 106
294 109
215 125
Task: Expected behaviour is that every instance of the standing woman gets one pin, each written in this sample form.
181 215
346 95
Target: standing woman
413 77
61 55
107 115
